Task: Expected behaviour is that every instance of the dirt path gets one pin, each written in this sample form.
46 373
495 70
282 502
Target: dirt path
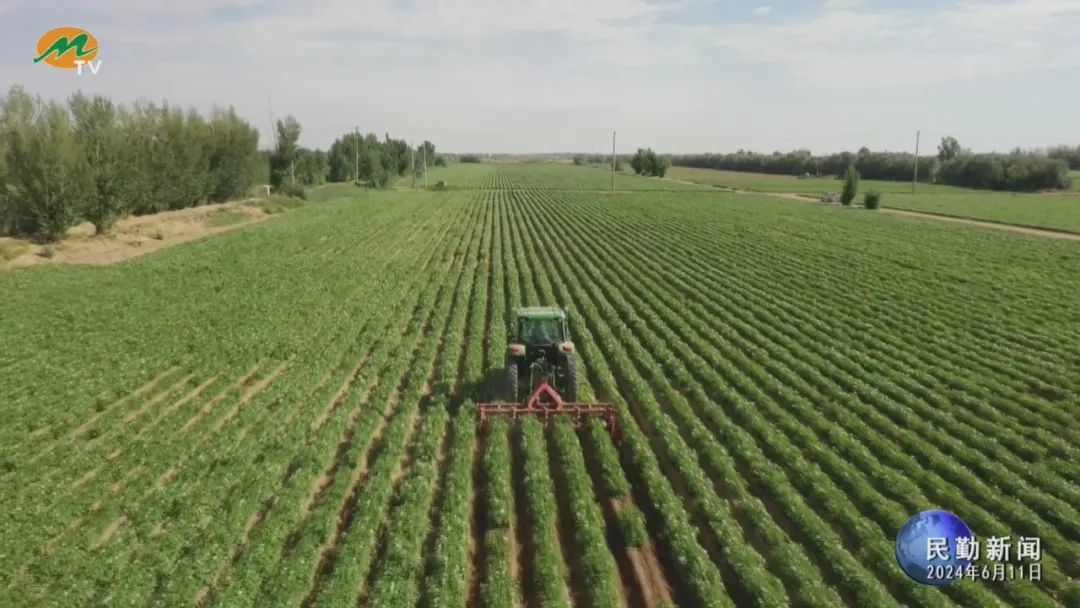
134 236
1044 232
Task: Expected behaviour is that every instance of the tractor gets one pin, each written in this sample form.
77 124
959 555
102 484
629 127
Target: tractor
541 370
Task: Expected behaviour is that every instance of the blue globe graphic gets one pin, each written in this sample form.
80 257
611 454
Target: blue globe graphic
911 545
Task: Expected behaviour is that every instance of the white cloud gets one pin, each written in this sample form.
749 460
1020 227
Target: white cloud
763 10
842 4
901 48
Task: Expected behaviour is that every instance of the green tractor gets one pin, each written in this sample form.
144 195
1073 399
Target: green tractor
541 372
540 348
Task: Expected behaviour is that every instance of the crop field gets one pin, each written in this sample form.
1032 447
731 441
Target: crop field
765 182
548 176
283 415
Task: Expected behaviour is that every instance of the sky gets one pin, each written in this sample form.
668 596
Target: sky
681 76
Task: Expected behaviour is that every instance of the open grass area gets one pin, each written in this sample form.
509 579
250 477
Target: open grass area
284 415
1053 211
763 182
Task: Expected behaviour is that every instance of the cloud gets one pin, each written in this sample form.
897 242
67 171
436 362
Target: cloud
903 48
839 5
542 74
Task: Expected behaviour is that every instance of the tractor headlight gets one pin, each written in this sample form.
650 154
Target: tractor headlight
567 347
517 349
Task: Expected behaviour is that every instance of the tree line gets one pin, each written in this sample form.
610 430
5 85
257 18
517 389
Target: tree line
953 165
91 159
352 157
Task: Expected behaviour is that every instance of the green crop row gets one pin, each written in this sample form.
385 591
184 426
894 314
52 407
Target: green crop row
549 574
498 587
446 584
598 574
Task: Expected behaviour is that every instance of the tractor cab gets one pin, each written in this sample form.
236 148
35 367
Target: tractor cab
540 348
540 327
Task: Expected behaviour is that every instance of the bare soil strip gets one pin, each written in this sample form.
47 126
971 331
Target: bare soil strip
240 382
142 390
643 580
136 236
130 416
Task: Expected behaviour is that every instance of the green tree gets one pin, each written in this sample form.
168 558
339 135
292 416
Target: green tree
234 158
111 164
661 165
17 112
948 149
286 153
851 185
48 171
637 163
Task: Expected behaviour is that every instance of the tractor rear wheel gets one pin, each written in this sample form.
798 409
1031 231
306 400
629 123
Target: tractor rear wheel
512 381
569 365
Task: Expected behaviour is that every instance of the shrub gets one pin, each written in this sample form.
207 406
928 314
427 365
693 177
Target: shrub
469 158
851 186
294 190
872 199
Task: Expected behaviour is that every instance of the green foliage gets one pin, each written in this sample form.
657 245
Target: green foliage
1068 154
851 186
954 166
48 173
648 163
104 161
891 166
632 527
286 153
367 160
872 199
469 158
949 149
109 156
234 160
292 190
1017 171
1070 596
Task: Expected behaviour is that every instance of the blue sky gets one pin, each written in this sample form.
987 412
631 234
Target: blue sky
560 75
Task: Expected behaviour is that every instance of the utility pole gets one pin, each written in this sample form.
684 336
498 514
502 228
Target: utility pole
915 178
425 164
613 161
356 152
412 165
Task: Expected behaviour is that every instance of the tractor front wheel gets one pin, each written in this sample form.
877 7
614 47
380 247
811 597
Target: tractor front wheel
512 380
569 365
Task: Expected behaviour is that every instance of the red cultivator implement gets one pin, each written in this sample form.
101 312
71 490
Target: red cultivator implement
546 403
